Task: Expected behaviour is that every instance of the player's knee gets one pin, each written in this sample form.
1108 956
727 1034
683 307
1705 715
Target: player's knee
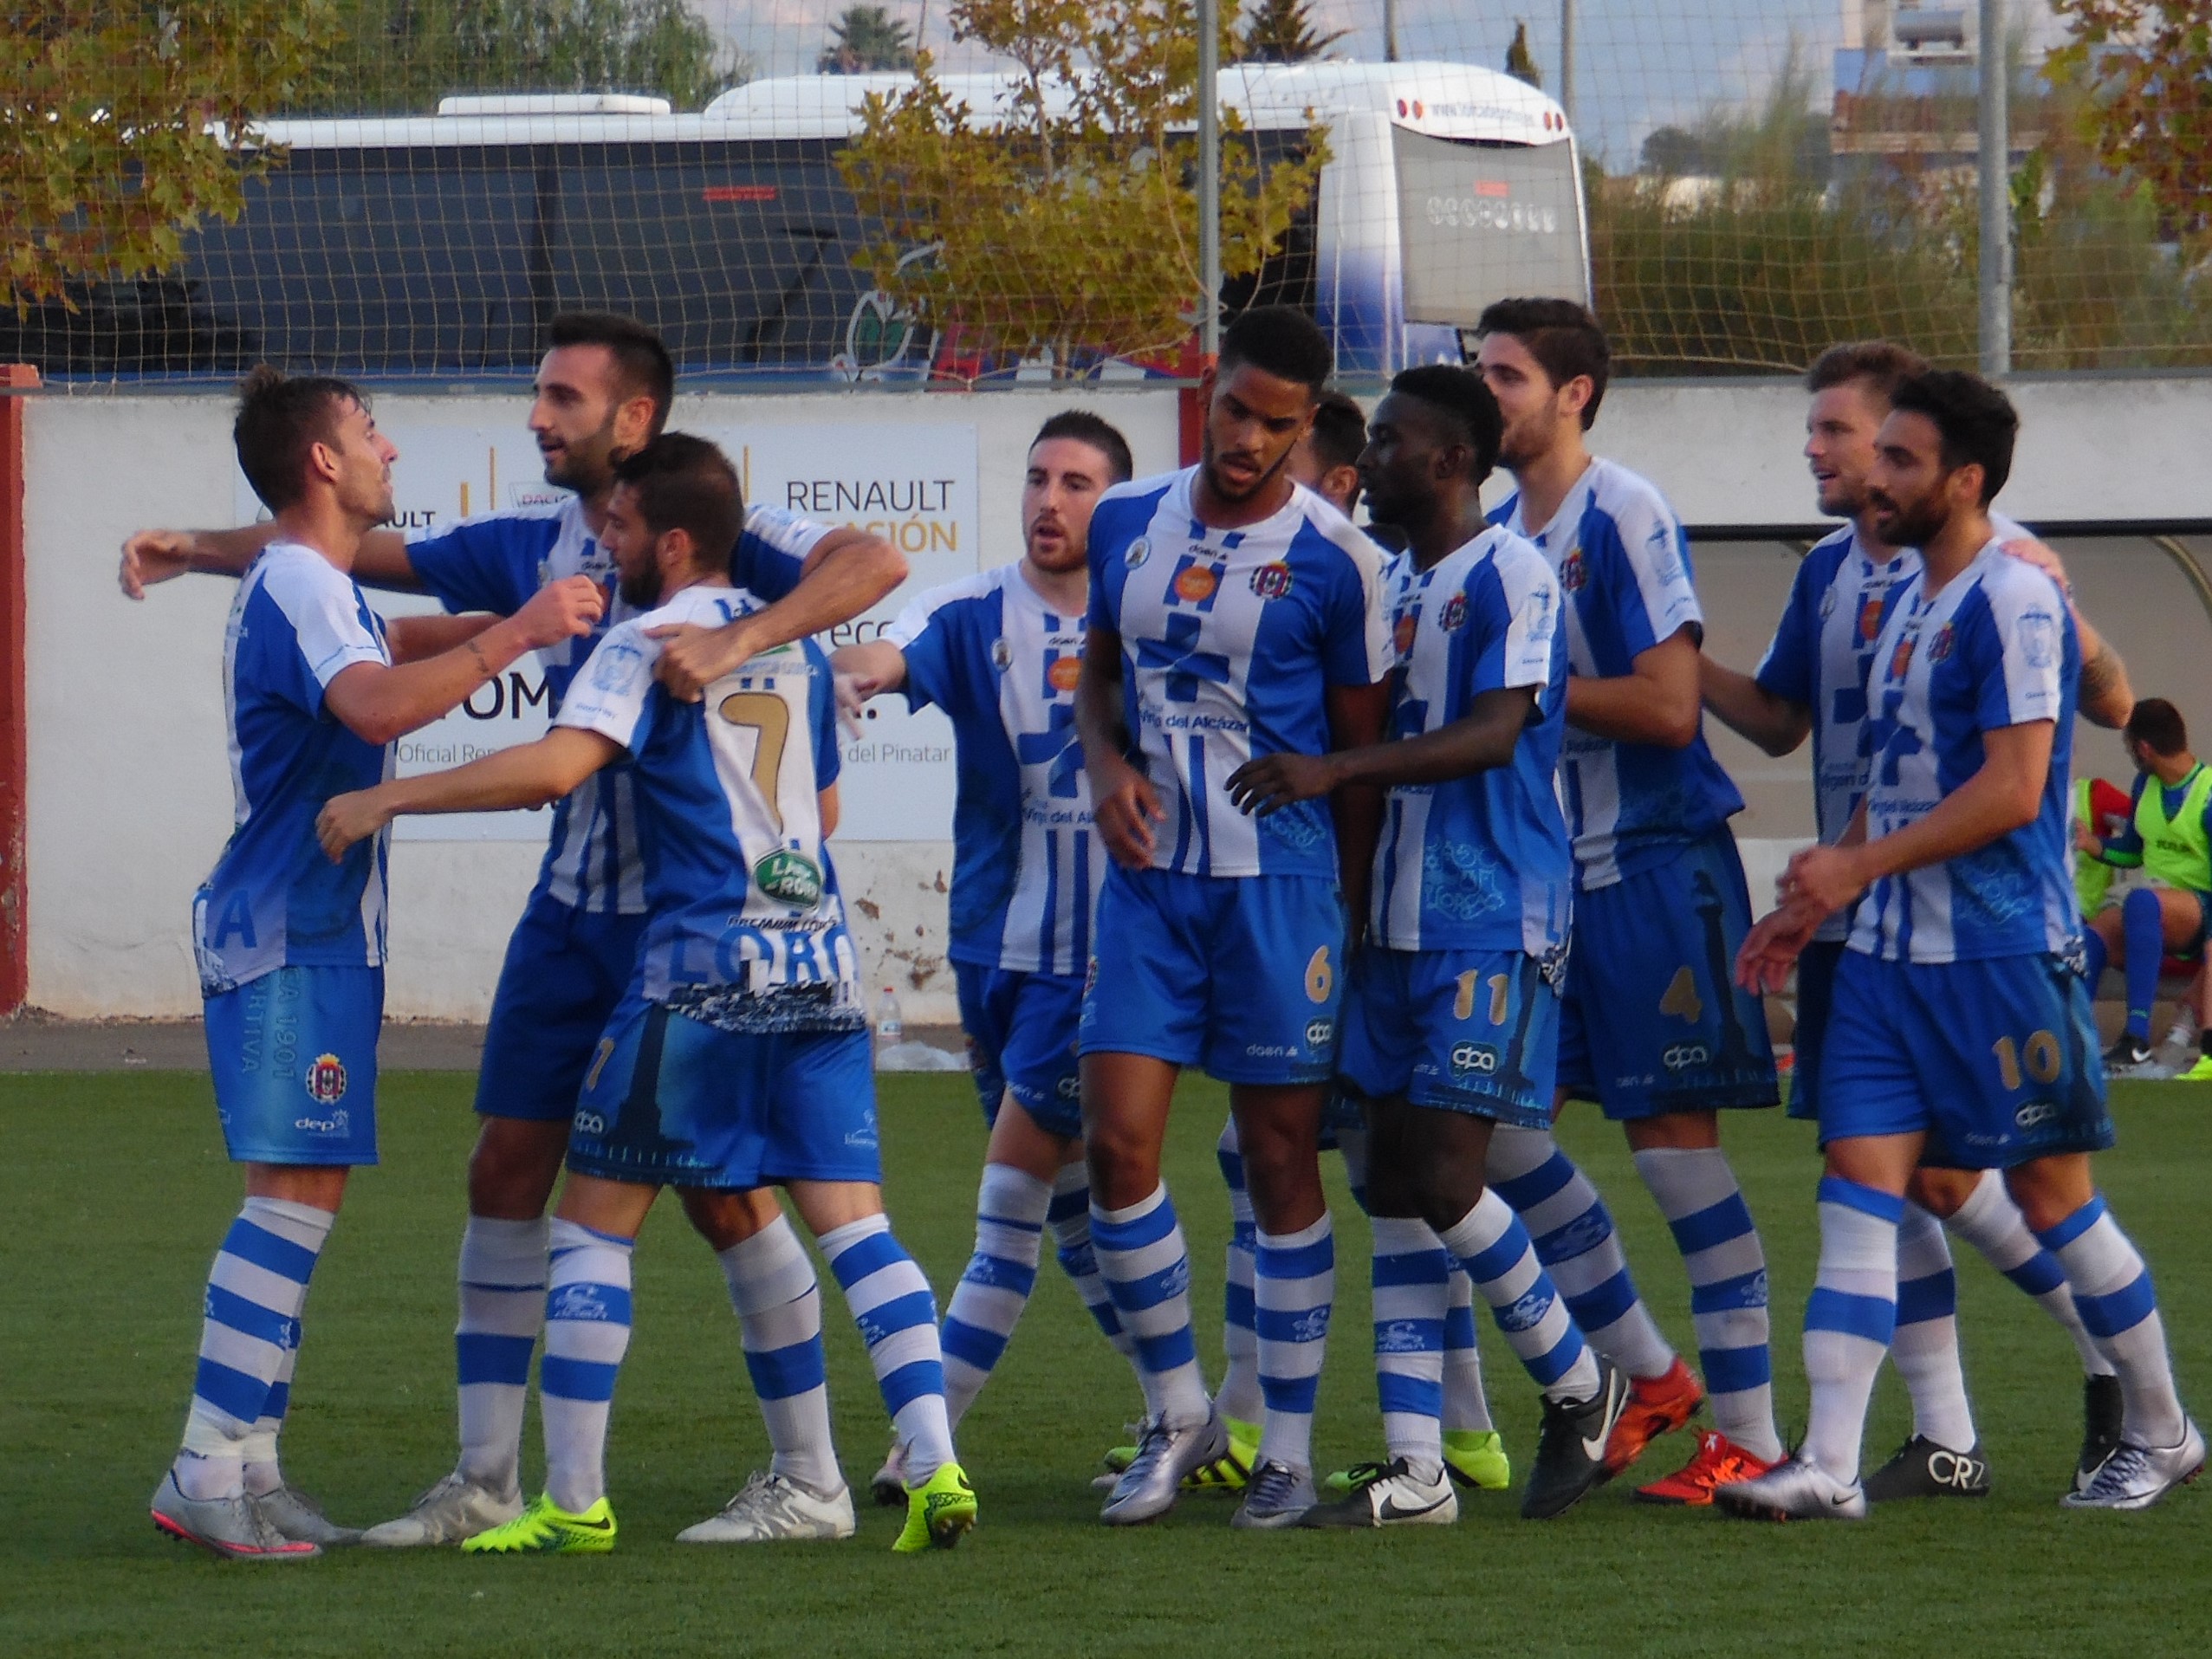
513 1169
726 1218
1943 1193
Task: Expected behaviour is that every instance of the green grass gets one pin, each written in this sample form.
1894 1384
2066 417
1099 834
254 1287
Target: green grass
116 1192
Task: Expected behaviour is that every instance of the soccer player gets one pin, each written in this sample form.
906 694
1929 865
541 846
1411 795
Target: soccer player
1000 652
1960 1031
603 389
1233 614
738 1058
2169 838
1652 1027
1451 1013
1814 679
291 949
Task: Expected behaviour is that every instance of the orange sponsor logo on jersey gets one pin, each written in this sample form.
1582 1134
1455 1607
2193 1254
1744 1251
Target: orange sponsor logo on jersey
1062 672
1870 617
1195 586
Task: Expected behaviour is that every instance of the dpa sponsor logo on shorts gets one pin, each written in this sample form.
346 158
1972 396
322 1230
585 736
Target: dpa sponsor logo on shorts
1474 1059
1320 1033
1680 1057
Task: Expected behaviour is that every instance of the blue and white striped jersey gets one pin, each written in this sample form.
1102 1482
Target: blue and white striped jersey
1477 862
1026 862
496 563
742 897
273 900
1231 640
1996 647
1623 562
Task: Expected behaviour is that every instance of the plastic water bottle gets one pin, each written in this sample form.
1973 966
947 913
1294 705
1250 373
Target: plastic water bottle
890 1029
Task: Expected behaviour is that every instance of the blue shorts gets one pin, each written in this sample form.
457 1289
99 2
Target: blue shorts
1996 1060
1022 1042
566 971
1816 990
670 1101
1474 1031
293 1054
1653 1023
1241 974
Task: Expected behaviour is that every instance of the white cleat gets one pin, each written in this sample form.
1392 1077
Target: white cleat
1150 1486
230 1526
456 1509
2135 1477
1400 1494
299 1517
888 1485
772 1508
1797 1490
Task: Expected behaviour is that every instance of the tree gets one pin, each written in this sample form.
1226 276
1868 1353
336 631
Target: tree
2139 74
1282 31
1066 219
865 38
1519 60
126 124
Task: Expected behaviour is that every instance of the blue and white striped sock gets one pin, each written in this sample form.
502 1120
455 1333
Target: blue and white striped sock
587 1333
250 1329
1576 1243
1697 1193
1467 1406
263 1473
1069 1218
1494 1248
2113 1289
779 1307
1925 1346
1294 1287
1143 1260
1410 1279
1239 1394
502 1279
1992 1223
1849 1318
897 1317
1010 1209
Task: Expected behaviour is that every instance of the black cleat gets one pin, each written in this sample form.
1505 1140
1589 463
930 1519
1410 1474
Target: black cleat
1571 1447
2103 1411
2128 1055
1921 1468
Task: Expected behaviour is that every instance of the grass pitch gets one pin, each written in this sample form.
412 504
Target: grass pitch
117 1193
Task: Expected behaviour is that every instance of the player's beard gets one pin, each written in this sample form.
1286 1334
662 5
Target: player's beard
1910 527
1070 554
1214 479
585 467
642 591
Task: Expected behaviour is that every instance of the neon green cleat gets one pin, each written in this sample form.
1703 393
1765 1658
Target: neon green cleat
1475 1458
545 1528
939 1512
2200 1073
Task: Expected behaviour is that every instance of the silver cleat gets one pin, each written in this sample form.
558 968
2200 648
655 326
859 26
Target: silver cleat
2135 1477
455 1508
1797 1490
888 1485
292 1512
1276 1496
1149 1486
231 1526
770 1509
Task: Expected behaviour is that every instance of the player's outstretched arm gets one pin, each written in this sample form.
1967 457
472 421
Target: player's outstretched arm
1657 702
414 639
1123 804
529 774
1481 738
864 672
377 704
1777 724
847 571
151 556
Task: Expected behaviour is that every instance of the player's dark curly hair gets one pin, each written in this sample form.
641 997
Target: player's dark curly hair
279 419
1102 435
2157 725
1978 422
641 362
1281 340
686 483
1562 336
1460 397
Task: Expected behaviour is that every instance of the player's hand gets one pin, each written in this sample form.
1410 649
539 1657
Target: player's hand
1773 944
348 818
151 556
2029 551
692 657
561 610
2085 840
1273 781
1824 878
854 691
1124 806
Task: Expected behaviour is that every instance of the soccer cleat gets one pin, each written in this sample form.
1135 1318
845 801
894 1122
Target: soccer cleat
2135 1477
1476 1459
2130 1057
1232 1468
545 1528
2199 1073
1148 1487
939 1512
1276 1497
2103 1411
1921 1468
888 1485
234 1527
1390 1494
299 1517
1796 1490
771 1508
455 1509
1571 1445
1657 1405
1718 1461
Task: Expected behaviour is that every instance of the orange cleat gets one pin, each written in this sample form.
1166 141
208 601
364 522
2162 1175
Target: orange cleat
1719 1461
1657 1405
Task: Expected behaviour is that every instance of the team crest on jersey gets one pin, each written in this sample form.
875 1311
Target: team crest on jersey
1939 647
1136 553
326 1080
1572 572
1869 617
1453 617
1827 604
1001 654
1195 584
1062 672
792 877
1271 581
2039 638
616 665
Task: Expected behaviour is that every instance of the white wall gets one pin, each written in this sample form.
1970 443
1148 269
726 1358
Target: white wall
129 785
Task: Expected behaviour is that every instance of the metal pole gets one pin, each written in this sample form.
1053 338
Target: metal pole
1567 62
1209 178
1996 145
1390 32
